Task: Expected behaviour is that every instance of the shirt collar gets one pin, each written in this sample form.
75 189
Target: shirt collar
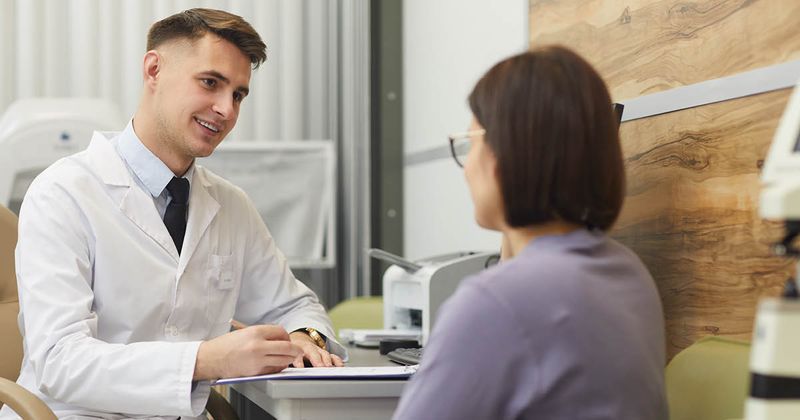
581 238
151 171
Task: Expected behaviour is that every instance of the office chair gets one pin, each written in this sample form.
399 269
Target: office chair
22 401
359 312
709 380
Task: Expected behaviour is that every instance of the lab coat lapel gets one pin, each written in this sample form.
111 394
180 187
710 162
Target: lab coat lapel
138 206
202 210
134 203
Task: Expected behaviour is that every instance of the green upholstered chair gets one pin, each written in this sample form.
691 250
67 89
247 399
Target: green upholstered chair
365 312
709 380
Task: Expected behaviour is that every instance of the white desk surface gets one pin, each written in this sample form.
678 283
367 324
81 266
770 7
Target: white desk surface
329 399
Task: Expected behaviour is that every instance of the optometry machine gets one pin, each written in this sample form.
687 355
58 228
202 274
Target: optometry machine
775 352
413 292
36 132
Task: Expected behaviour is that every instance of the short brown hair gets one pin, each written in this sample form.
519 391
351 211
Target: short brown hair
193 24
549 122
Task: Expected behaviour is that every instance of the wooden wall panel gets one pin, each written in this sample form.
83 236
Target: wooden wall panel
693 175
646 46
690 214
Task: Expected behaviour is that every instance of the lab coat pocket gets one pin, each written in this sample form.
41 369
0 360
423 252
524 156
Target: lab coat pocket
221 289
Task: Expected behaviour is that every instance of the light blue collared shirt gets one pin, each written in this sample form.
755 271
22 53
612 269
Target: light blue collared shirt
150 173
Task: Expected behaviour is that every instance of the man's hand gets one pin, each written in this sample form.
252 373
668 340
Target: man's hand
311 352
250 351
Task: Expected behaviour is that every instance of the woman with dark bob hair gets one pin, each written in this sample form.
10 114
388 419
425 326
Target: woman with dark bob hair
570 324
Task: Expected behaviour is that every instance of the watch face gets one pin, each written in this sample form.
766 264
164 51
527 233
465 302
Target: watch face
316 336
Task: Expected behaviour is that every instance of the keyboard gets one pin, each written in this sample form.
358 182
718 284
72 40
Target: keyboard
405 356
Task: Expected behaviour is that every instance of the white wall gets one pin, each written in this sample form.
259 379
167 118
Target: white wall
447 46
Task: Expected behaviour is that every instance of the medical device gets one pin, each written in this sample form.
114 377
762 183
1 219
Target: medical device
775 352
36 132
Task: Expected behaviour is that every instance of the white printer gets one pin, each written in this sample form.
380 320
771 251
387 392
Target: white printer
413 292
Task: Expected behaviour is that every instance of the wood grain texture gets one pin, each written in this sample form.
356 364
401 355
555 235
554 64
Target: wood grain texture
645 46
691 214
693 175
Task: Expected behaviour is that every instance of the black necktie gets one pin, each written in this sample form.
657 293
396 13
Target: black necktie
175 216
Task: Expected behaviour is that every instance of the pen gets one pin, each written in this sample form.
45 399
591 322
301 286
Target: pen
236 325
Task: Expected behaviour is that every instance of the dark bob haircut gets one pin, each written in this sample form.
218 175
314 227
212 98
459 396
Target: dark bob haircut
193 24
549 122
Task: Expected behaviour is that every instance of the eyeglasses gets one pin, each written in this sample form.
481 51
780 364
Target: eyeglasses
460 144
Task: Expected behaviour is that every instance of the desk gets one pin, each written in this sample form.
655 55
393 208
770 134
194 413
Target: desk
329 399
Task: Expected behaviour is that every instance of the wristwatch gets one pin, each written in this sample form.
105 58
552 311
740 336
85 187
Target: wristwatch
319 340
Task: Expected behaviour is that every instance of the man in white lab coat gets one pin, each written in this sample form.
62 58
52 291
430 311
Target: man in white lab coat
132 260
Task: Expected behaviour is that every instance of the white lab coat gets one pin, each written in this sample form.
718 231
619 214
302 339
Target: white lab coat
111 315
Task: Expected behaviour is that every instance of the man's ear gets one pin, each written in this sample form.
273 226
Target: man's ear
153 62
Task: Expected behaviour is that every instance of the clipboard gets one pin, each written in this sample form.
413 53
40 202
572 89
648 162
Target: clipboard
337 373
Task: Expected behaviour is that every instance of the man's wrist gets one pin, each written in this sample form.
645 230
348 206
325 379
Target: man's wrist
316 337
203 369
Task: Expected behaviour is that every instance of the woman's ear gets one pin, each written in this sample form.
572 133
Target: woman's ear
491 158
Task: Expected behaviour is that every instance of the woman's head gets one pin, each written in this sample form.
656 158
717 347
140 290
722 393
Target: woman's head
550 143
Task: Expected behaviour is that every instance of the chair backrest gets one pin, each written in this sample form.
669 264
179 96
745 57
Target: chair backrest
11 350
365 312
709 380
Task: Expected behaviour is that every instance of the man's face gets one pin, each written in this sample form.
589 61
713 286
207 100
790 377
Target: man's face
200 88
